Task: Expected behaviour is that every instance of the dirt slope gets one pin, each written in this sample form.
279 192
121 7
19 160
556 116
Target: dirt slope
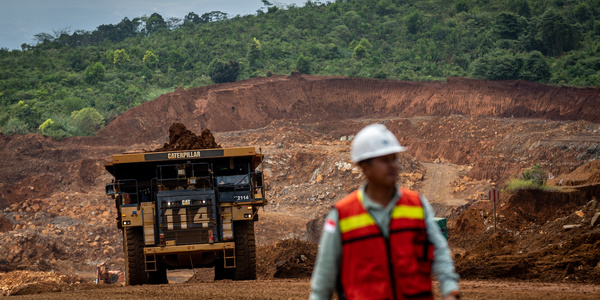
256 103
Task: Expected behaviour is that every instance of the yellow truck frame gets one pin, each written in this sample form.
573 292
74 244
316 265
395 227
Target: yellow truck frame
188 209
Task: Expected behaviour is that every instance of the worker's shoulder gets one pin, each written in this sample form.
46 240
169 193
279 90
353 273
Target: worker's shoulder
347 199
410 195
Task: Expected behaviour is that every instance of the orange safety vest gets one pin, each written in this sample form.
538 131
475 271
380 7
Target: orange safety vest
375 267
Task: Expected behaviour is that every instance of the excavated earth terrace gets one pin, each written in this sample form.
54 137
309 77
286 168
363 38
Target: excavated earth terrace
464 137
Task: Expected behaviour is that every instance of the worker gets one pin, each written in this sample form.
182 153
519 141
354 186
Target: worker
382 242
102 273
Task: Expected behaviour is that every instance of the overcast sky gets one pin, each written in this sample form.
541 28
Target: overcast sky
20 20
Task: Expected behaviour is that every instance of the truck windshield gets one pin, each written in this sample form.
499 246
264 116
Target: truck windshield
233 180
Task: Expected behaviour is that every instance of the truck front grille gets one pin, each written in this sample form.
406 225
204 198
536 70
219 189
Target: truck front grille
187 221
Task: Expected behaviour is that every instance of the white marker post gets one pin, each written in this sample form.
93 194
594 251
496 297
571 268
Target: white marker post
494 195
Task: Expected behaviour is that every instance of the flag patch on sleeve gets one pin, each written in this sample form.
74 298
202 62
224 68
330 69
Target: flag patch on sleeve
329 226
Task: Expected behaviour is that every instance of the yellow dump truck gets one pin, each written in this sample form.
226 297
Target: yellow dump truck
188 209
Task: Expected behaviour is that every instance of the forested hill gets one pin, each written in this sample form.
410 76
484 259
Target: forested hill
72 83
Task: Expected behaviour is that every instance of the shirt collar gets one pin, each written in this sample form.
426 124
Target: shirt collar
370 204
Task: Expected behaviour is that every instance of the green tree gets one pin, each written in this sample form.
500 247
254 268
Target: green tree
72 103
303 64
461 6
224 71
499 64
385 7
87 121
363 49
94 73
535 67
155 22
28 114
555 33
176 60
150 59
121 58
414 22
341 33
254 52
508 25
582 13
191 18
521 7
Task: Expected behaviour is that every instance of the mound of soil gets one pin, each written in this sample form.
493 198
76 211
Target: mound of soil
31 282
202 275
542 235
589 173
180 138
290 258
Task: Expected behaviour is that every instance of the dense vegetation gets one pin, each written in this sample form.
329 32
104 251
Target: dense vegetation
71 83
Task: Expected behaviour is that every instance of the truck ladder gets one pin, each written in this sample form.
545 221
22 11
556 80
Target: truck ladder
150 262
229 258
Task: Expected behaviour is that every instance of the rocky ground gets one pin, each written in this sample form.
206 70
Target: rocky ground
56 219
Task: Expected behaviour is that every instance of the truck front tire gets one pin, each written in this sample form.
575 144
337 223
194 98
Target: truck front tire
133 246
245 250
245 254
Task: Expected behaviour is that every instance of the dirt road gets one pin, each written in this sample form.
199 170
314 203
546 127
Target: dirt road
436 186
299 289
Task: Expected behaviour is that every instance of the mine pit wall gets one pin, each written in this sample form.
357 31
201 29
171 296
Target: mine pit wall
539 206
256 103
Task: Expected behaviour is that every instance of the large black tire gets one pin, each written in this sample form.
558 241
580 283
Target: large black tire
245 250
159 276
221 272
133 247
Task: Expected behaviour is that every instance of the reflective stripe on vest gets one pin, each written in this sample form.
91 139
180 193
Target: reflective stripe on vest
370 261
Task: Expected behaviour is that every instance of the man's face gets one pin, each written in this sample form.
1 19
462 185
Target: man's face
382 170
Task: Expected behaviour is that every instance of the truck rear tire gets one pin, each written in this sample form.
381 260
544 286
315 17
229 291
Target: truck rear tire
133 246
159 276
245 250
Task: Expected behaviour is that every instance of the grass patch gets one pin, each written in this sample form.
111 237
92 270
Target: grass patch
521 184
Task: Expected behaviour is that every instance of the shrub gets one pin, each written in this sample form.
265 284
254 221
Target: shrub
15 126
532 178
303 64
87 121
536 175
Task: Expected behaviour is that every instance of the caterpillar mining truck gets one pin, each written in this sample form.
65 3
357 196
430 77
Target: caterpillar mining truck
188 209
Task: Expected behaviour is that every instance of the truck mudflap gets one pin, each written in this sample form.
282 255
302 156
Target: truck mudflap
188 248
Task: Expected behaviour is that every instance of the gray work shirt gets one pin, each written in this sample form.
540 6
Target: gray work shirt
325 274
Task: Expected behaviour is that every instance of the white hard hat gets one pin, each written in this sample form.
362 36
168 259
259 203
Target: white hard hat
373 141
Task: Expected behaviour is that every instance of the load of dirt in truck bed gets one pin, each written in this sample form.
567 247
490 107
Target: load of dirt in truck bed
180 138
290 258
